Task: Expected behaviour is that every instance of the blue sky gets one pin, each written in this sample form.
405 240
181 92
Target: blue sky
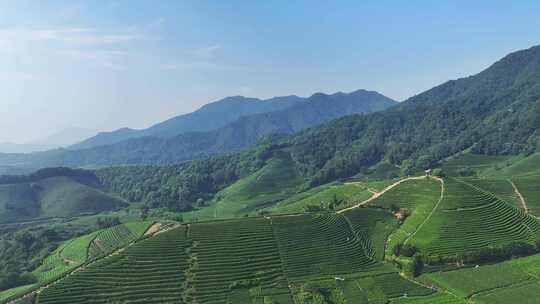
110 64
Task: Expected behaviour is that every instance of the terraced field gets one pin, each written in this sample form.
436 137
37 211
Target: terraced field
419 197
8 294
152 270
502 188
478 163
319 245
67 257
349 194
305 258
529 187
469 218
240 253
276 181
523 294
73 253
252 260
439 298
372 226
108 240
526 166
395 286
469 281
513 281
360 288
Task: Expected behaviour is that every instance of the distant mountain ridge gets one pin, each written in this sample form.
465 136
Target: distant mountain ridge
209 117
63 138
241 133
25 148
68 136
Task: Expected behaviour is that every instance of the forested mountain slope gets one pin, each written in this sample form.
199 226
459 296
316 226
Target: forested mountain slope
233 137
494 112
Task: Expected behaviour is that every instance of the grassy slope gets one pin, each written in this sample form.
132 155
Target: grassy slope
479 163
493 166
418 196
528 186
516 281
525 166
500 187
469 218
372 226
73 253
274 182
348 193
63 197
52 197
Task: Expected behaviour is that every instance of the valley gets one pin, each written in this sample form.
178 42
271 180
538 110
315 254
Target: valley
339 198
408 240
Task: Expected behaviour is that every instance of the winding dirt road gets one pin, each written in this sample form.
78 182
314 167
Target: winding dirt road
378 194
521 198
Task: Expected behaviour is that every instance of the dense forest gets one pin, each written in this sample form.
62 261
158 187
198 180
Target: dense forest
83 176
178 187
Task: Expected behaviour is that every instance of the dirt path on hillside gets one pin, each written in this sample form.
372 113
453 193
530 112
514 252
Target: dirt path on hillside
521 198
153 229
362 185
378 194
432 211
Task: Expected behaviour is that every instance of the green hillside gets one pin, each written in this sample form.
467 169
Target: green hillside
340 194
319 217
473 164
329 257
52 197
277 180
530 191
513 281
469 218
253 260
76 252
526 166
416 198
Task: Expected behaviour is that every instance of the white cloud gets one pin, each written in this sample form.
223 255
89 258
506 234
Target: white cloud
106 59
208 52
88 36
204 58
82 44
17 76
200 65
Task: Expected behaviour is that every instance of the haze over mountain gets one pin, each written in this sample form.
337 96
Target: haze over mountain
68 137
209 117
244 131
63 138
